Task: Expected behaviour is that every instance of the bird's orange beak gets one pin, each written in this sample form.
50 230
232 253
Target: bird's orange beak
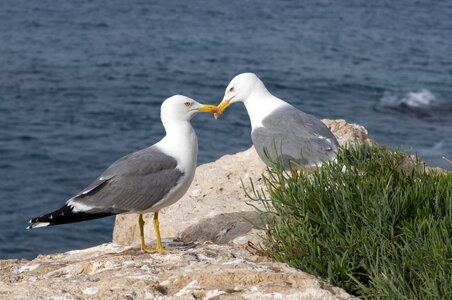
222 107
209 109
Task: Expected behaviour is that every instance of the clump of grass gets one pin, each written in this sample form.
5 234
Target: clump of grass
371 223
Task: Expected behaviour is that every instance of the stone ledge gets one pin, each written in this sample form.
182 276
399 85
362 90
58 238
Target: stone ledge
110 271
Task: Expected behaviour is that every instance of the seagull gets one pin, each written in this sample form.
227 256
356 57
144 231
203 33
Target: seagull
143 181
279 131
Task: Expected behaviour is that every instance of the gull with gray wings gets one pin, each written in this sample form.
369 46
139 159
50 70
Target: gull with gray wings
142 181
279 131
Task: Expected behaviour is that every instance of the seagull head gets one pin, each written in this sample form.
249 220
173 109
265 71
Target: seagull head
182 108
239 90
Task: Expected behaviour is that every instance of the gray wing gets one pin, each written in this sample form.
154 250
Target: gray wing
292 135
135 182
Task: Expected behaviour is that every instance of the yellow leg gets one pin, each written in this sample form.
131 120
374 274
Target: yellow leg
157 234
159 248
143 245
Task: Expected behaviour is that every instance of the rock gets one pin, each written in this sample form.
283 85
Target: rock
215 202
348 134
215 208
111 271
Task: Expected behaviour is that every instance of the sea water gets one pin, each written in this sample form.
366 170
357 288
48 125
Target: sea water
81 83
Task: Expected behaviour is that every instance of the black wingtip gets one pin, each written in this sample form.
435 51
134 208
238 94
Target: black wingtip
65 215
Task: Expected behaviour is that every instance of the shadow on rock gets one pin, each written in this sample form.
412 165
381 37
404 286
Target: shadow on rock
223 228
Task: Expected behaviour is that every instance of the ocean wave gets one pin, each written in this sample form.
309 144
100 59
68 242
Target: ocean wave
421 104
417 99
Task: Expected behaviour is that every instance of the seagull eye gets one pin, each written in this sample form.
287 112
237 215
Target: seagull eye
231 89
188 104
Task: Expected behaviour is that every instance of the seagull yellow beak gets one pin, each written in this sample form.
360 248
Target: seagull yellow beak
224 104
222 107
209 109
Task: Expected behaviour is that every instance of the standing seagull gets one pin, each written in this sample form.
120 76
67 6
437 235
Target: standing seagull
279 130
142 181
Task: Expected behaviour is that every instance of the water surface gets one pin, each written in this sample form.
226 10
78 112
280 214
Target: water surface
81 84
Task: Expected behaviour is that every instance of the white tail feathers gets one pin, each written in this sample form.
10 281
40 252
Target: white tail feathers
38 224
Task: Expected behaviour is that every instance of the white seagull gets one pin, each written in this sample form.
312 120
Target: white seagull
142 181
280 132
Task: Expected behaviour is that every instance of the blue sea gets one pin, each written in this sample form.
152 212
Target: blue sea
81 83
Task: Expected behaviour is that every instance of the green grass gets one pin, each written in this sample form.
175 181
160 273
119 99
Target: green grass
375 223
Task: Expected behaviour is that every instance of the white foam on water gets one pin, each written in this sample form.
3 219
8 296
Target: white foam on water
420 98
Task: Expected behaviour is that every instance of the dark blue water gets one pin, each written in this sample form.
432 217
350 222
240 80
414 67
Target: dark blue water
81 83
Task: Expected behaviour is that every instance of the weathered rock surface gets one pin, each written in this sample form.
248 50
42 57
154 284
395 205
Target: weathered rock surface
111 271
213 209
348 133
213 226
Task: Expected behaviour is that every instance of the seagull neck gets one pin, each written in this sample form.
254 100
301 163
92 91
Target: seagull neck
260 104
180 142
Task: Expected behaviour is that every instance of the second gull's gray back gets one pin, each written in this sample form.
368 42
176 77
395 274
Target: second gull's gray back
292 135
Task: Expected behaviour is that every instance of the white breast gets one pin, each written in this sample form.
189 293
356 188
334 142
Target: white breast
259 107
182 144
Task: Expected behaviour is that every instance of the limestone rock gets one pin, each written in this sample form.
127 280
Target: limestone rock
214 198
348 134
111 271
